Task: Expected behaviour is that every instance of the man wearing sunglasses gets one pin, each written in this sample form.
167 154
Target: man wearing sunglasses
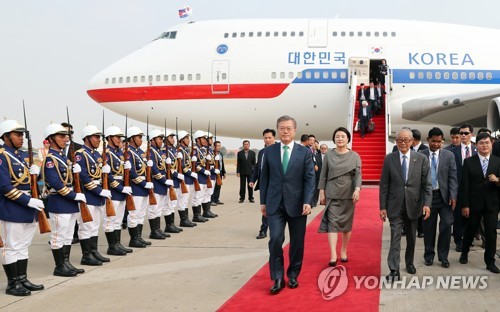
463 151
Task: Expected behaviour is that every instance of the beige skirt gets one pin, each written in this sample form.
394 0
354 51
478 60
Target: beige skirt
338 216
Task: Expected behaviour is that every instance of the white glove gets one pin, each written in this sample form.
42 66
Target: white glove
34 170
127 190
106 169
149 185
36 203
77 168
169 182
217 171
207 173
168 161
217 157
105 193
194 158
180 176
149 163
127 165
194 175
179 155
80 197
208 157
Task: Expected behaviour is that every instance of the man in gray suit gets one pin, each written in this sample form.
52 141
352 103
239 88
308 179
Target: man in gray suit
444 198
405 193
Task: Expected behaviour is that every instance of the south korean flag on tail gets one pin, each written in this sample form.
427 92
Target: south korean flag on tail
185 12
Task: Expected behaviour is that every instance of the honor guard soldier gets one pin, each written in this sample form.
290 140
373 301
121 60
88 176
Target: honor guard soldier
62 201
199 156
115 159
140 187
210 159
18 210
177 177
189 177
90 161
160 182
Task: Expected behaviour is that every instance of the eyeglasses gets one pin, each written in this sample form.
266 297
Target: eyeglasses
464 133
283 129
405 140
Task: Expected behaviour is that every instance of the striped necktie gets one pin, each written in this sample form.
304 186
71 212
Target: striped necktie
484 165
434 171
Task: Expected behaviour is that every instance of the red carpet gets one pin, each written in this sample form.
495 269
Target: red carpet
364 260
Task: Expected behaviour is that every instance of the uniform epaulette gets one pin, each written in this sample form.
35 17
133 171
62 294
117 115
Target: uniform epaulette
80 150
1 150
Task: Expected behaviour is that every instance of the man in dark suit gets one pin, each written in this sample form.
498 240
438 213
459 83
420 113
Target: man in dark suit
319 164
286 191
454 138
222 168
465 150
364 117
268 135
444 198
373 98
362 93
245 163
417 146
480 199
405 193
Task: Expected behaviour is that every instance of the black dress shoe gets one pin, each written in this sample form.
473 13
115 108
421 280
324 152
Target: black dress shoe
213 203
219 202
445 264
261 235
251 200
464 258
393 276
332 263
458 247
428 262
344 259
279 284
293 283
490 267
410 268
241 200
420 235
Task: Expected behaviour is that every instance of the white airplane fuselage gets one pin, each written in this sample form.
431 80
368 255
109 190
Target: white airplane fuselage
244 74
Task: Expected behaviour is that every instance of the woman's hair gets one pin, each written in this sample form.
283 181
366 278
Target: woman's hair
343 130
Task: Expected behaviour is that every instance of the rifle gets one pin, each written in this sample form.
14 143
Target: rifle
129 200
184 188
197 187
84 210
207 163
171 190
218 179
43 223
152 197
110 209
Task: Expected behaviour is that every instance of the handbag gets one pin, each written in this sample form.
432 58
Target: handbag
371 126
356 127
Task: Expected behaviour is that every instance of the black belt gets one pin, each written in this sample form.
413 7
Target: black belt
436 192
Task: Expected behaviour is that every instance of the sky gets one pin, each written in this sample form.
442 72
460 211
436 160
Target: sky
51 49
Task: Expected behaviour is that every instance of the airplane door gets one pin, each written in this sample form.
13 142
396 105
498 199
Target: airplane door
360 66
318 33
220 77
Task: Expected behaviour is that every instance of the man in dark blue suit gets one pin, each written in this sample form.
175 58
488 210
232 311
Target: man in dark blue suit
286 192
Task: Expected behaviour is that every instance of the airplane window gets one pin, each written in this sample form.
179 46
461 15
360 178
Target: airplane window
282 75
429 75
368 34
360 34
343 75
268 34
334 34
166 34
165 77
437 75
463 75
480 75
135 78
384 34
454 75
198 76
299 75
276 34
342 34
393 34
308 75
234 35
489 76
158 78
301 34
106 81
150 78
273 75
259 34
472 75
284 34
113 80
190 77
334 75
242 35
290 75
128 79
351 34
226 35
316 75
173 34
292 33
250 34
412 75
446 75
325 75
174 77
420 75
376 34
120 80
181 77
224 76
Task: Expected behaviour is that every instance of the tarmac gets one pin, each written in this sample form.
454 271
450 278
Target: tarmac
202 267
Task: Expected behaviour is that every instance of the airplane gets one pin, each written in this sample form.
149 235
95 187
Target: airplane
244 74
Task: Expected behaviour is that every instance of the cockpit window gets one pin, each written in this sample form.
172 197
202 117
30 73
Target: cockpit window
168 35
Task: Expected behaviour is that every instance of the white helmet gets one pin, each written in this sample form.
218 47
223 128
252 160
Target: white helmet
182 134
170 133
10 126
199 134
155 133
210 135
113 131
134 131
90 130
54 129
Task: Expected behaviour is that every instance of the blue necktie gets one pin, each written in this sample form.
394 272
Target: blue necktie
434 171
485 166
403 167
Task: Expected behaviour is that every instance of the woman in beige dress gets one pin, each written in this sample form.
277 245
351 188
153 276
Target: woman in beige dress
339 185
